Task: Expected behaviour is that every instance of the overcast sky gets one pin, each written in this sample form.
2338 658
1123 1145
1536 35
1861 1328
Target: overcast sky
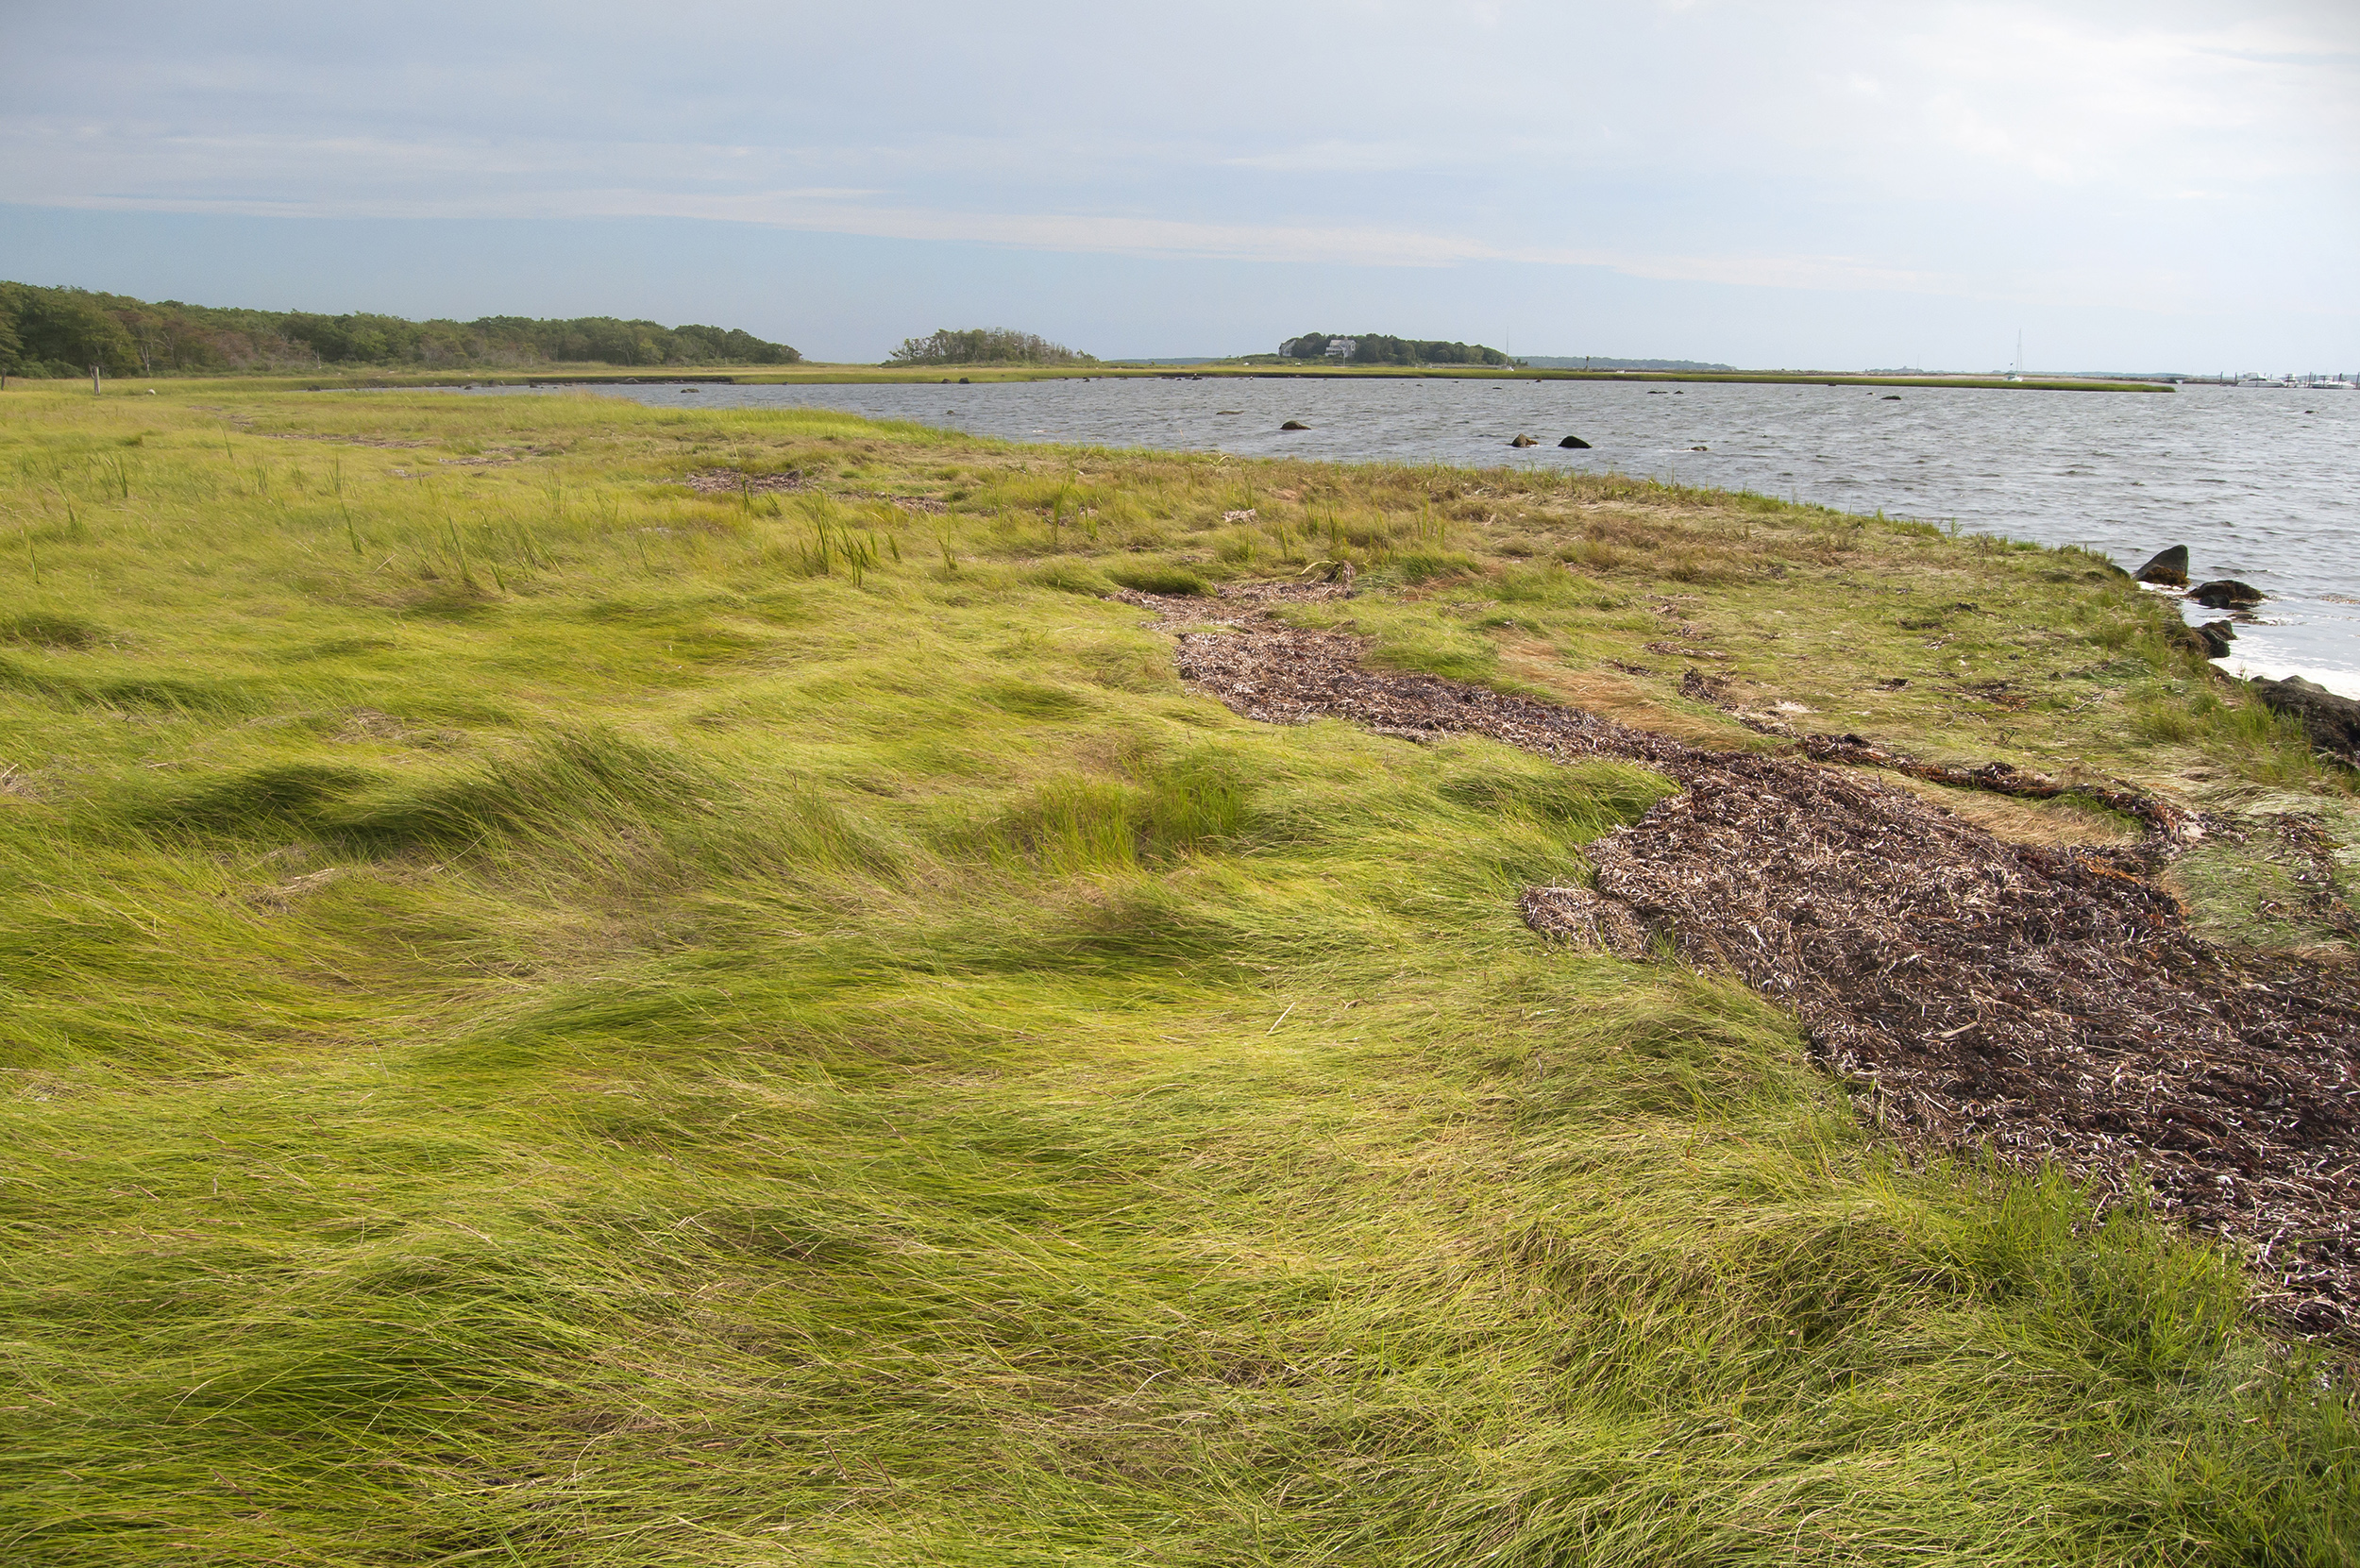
1839 185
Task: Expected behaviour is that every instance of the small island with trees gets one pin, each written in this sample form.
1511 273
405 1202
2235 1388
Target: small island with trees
1379 348
984 345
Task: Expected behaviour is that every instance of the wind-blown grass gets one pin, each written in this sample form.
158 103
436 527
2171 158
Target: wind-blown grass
542 1026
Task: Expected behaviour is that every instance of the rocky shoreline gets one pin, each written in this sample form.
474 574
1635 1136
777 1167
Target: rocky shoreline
2331 720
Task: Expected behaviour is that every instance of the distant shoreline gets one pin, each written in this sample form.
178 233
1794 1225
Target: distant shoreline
841 374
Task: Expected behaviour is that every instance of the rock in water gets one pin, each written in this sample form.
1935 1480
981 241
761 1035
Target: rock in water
2332 722
1524 441
2217 636
2227 593
1574 443
2169 568
1295 424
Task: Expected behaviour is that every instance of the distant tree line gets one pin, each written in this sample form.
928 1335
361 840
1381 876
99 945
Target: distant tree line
64 331
984 345
1377 348
1594 362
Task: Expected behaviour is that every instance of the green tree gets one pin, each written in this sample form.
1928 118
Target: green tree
66 330
70 330
984 345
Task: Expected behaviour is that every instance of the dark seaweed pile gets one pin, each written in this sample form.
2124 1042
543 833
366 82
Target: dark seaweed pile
2047 1003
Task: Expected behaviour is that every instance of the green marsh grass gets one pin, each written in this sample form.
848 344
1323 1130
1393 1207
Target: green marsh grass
552 1020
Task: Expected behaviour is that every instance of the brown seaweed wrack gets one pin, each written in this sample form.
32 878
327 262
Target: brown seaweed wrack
2047 1003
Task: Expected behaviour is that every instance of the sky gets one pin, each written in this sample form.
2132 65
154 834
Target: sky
1815 183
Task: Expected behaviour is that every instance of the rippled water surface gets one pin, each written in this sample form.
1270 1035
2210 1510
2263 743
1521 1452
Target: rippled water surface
2262 484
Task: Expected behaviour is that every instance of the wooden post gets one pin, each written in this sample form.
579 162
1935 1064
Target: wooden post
93 380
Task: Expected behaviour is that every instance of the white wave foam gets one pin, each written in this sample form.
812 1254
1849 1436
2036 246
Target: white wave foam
2343 682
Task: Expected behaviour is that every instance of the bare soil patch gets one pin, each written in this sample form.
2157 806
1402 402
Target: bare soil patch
924 506
736 482
2047 1002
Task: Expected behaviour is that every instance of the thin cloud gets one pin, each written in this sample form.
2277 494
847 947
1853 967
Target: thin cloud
1335 156
1970 150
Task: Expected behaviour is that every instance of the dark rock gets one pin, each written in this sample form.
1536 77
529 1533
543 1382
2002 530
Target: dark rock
1893 396
1524 441
2196 639
2215 635
1295 424
2332 722
1574 443
2227 593
2169 567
